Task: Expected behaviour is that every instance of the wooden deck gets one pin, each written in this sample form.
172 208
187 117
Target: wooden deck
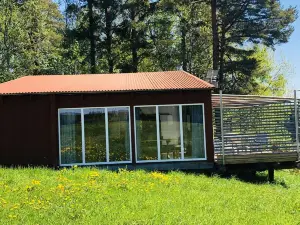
246 158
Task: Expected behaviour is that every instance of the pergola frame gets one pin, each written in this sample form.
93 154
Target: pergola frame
250 129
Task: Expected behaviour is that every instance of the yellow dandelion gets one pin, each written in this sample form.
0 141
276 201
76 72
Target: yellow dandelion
36 182
94 174
60 187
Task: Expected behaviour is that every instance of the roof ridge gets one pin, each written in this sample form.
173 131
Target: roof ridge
85 74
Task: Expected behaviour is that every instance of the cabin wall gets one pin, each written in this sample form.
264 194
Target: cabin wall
24 135
29 124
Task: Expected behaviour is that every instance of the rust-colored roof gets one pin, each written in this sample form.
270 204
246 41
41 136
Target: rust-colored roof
146 81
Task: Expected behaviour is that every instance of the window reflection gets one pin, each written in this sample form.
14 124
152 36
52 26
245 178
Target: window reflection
95 135
70 136
193 131
119 137
169 122
146 133
171 132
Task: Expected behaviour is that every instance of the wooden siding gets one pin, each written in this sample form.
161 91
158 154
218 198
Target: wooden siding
29 124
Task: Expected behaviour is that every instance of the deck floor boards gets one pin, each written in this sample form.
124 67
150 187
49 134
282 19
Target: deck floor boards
245 158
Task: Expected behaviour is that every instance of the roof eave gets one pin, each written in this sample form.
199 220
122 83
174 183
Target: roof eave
101 92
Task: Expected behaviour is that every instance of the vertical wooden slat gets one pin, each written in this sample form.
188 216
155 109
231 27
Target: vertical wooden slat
254 125
297 123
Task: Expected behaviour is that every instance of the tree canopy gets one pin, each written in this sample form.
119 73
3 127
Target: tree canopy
109 36
30 38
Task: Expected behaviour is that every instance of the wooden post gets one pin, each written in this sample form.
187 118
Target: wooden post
297 123
271 174
222 127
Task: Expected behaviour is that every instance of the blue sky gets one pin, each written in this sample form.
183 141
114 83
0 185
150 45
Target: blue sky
291 50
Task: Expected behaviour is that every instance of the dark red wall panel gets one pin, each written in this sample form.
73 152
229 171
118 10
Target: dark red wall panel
29 129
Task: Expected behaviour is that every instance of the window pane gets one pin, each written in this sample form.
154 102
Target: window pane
119 137
95 139
193 131
146 133
70 136
169 122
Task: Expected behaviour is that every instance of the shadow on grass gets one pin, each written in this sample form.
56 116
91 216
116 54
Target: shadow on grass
258 178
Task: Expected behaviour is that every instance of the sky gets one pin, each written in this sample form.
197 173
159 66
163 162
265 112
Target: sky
291 50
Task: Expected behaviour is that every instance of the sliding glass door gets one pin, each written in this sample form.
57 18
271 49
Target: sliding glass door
146 133
119 134
170 133
91 136
193 131
70 136
95 135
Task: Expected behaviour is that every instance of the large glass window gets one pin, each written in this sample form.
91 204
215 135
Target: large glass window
119 137
146 133
171 132
193 132
169 126
70 136
94 135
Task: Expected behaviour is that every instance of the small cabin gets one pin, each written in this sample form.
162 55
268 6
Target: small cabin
150 120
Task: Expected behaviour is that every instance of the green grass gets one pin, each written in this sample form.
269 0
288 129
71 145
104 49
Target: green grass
90 196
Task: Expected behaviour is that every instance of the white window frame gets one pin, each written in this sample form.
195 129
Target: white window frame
181 134
106 134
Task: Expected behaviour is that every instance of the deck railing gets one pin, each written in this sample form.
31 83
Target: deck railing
247 127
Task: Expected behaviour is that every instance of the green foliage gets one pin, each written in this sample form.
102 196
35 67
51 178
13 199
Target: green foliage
259 74
269 77
87 196
248 23
30 38
108 36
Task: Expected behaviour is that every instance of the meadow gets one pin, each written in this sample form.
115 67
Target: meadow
91 196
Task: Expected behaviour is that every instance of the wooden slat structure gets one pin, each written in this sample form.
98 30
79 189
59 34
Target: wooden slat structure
257 158
254 129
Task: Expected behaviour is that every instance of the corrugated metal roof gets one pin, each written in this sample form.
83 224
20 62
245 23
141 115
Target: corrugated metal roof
146 81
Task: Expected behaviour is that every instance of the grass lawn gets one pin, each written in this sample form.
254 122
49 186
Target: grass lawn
90 196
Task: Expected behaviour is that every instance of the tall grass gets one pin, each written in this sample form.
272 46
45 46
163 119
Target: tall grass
91 196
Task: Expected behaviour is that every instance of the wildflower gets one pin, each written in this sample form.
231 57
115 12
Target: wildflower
159 176
36 182
60 187
94 174
11 216
15 207
123 170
